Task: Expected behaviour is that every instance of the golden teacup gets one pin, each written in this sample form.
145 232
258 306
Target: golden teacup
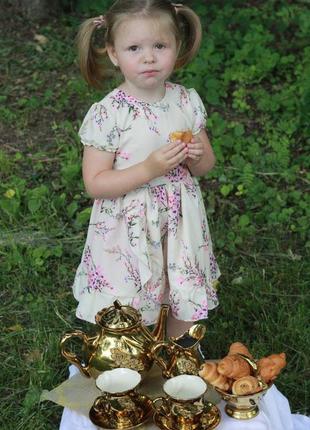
183 405
120 406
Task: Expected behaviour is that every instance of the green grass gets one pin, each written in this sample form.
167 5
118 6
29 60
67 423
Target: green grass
256 197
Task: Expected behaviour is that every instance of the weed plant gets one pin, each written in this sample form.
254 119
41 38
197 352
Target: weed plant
253 74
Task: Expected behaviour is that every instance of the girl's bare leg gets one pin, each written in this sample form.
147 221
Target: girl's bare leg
176 327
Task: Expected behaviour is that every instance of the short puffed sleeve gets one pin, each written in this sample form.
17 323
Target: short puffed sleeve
199 111
99 128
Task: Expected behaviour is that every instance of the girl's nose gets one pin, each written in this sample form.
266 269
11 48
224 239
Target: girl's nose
148 56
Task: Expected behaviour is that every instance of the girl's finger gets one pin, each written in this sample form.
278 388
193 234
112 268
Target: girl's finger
195 151
194 157
177 159
172 145
175 150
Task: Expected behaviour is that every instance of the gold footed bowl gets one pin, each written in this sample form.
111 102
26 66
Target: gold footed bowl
242 407
209 421
142 413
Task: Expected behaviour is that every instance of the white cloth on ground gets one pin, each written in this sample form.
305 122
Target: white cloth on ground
275 414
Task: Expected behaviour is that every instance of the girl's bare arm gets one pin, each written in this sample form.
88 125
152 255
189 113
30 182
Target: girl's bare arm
102 181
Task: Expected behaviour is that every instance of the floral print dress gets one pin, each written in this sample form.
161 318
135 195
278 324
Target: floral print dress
156 232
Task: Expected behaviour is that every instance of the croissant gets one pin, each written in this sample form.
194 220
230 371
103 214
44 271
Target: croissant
210 374
184 136
246 385
233 367
270 367
239 348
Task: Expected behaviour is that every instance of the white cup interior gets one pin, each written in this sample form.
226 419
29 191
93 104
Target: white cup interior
118 380
185 387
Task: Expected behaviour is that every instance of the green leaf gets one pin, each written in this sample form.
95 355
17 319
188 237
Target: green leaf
244 220
226 189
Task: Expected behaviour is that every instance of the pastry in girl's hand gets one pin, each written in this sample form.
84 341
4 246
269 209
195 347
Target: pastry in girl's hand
270 367
209 373
246 385
233 366
184 136
239 348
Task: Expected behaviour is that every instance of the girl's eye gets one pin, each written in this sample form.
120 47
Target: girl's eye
160 46
133 48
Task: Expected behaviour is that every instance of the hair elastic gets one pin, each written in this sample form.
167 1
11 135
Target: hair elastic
100 21
177 5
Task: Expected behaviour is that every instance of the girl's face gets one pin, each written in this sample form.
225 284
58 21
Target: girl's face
146 50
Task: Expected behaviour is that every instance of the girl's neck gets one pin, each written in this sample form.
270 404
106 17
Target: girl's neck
150 95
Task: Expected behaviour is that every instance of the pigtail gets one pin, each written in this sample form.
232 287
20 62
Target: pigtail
191 30
90 57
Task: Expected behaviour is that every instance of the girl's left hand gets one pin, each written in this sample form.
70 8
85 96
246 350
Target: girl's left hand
196 149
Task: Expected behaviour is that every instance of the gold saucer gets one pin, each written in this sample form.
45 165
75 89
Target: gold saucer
146 405
210 419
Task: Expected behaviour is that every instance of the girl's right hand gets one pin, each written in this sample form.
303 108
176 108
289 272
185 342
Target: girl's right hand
161 161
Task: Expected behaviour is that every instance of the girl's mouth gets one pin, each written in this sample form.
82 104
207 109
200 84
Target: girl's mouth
149 72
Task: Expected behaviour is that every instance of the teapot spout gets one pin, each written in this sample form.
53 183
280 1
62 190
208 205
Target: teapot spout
160 330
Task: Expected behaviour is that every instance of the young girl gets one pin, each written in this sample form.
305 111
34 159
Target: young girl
148 240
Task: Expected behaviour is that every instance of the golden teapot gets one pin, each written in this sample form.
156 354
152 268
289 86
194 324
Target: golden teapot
121 341
180 355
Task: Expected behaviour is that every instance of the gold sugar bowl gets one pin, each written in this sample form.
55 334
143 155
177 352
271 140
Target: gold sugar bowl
245 407
242 407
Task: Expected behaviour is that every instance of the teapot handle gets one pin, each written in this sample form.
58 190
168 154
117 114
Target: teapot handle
71 356
155 351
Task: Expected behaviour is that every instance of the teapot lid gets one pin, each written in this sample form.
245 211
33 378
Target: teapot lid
117 316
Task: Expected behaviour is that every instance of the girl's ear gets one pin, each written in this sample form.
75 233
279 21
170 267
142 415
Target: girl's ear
112 55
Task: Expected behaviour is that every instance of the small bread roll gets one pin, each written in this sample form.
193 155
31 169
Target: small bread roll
245 385
239 348
270 367
184 136
233 366
209 373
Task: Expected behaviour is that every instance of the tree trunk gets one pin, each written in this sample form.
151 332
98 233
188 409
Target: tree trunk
37 10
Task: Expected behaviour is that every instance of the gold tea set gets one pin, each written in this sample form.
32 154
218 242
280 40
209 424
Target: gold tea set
121 354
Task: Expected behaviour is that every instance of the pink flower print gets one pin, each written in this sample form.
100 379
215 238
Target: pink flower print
131 272
136 302
174 304
184 99
200 117
179 174
95 276
137 107
122 154
102 229
180 280
100 115
97 280
170 85
142 212
205 235
174 206
213 267
159 194
87 258
201 311
200 280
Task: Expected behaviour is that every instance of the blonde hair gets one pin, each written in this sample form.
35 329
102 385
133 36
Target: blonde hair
186 27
